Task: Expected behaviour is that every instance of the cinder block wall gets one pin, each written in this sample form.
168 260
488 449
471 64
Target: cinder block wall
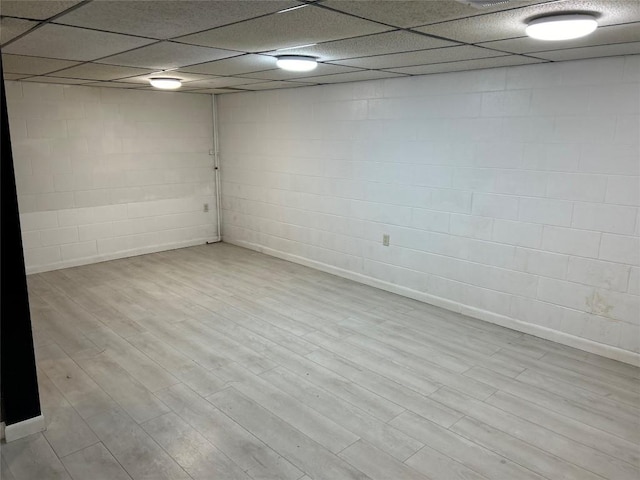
106 173
510 194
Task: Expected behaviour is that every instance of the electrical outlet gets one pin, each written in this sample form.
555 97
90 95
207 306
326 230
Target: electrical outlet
385 239
205 207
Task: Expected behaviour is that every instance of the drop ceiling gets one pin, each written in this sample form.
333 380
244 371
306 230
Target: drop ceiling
230 45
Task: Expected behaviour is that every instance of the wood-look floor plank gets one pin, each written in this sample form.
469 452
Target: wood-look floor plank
336 384
467 341
626 392
373 335
136 363
199 458
440 467
266 330
428 345
218 359
598 439
579 355
303 452
74 314
185 342
33 458
369 378
107 314
366 426
268 315
621 374
585 412
316 426
134 449
606 405
377 464
393 391
520 452
396 363
131 395
66 431
78 388
182 367
287 309
256 458
473 456
95 463
415 382
228 347
54 325
585 360
5 472
37 285
532 434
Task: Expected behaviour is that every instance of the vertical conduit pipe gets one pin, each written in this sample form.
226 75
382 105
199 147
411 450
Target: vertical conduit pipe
216 165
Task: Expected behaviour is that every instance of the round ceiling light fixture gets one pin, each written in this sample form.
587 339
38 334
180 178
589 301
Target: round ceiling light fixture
165 83
296 63
561 27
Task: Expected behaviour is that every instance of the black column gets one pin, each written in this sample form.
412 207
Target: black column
19 382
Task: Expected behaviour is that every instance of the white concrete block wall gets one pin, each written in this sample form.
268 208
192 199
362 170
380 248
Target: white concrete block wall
508 193
105 173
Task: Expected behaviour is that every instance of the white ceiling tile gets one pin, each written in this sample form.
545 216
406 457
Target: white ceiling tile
182 89
626 33
321 69
234 66
62 81
113 85
163 19
362 75
35 9
421 57
343 42
508 61
12 76
222 82
412 13
12 27
199 92
167 55
590 52
186 78
302 26
95 71
274 85
377 44
217 90
512 23
70 43
33 65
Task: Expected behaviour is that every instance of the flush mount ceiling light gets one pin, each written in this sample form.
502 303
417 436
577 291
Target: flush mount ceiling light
165 83
296 63
561 27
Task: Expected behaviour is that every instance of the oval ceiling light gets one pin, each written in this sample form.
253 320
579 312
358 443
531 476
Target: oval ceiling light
165 83
561 27
296 63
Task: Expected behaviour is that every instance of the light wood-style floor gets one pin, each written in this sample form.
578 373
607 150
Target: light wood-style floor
216 362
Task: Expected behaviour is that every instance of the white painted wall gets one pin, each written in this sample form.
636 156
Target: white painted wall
510 194
106 173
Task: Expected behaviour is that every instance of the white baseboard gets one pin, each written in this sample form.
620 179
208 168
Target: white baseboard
114 256
491 317
22 429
